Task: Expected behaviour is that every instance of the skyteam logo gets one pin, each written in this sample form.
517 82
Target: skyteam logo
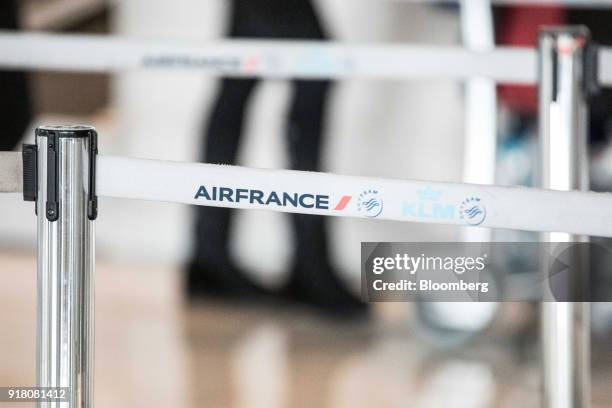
473 211
370 203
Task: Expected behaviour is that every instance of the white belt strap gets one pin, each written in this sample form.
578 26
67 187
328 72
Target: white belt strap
584 213
276 59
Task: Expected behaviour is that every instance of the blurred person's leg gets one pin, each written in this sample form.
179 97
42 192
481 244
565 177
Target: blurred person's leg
313 280
211 270
15 111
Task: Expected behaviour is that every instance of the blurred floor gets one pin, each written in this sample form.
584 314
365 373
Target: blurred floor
152 350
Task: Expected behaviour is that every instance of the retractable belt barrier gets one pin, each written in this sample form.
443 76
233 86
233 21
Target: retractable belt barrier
348 196
64 174
273 59
521 208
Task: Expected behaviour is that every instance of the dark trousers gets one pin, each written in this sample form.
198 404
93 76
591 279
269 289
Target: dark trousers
286 19
15 99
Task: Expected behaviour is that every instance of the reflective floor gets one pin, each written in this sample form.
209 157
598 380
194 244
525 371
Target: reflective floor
153 350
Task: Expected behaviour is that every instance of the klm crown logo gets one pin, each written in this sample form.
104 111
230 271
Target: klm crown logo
429 194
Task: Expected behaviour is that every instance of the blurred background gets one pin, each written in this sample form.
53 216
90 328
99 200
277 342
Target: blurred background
154 347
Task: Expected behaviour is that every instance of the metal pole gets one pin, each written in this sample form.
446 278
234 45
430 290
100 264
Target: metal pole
66 208
563 133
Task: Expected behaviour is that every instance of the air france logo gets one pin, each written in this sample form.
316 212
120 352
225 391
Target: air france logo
272 198
473 211
370 203
343 203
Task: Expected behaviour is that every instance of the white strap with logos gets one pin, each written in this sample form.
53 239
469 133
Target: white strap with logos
584 213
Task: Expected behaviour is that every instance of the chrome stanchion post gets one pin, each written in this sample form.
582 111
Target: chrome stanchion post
66 206
564 89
